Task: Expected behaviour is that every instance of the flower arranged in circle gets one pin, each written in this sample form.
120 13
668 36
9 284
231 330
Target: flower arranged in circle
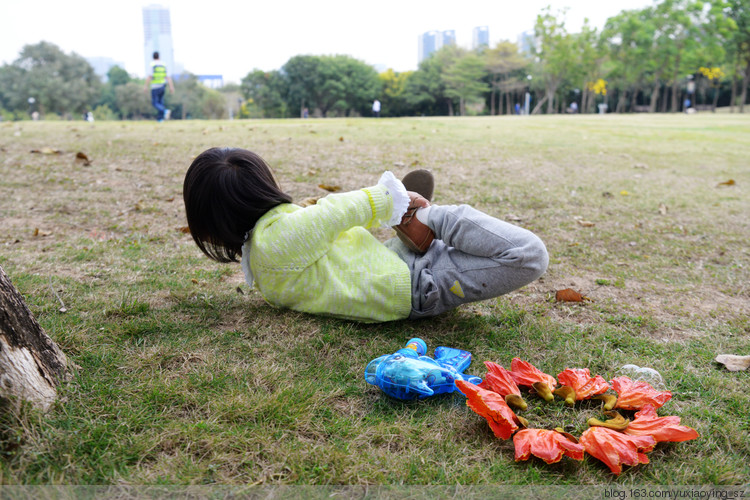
616 441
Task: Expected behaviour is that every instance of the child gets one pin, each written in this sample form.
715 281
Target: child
322 260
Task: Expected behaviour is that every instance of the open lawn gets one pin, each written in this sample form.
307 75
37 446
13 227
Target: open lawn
183 375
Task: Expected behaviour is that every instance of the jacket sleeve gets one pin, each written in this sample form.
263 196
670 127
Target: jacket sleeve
305 235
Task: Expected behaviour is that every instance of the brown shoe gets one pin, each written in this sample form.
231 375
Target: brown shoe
416 236
420 181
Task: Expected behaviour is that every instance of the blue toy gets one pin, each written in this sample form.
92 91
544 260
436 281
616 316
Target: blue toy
409 374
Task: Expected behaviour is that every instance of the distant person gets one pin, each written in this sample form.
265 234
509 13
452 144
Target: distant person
518 109
158 80
321 259
574 107
305 113
376 108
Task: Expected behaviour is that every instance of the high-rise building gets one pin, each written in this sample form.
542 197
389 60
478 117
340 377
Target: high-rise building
157 37
525 41
431 41
480 37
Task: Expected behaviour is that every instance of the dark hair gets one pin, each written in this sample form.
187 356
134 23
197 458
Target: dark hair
156 55
226 191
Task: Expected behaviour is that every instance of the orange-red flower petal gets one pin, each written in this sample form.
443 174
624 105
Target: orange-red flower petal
524 373
648 423
616 449
634 395
581 381
491 406
498 379
548 445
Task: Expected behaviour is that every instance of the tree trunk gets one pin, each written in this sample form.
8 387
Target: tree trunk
743 96
654 94
31 364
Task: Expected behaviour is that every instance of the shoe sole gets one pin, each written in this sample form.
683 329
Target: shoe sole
420 181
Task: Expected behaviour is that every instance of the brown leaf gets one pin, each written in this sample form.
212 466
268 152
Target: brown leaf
569 295
308 201
341 139
184 229
662 209
730 182
82 158
734 363
47 151
585 223
38 232
327 187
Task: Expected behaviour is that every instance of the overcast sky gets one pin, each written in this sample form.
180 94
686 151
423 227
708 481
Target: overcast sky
232 37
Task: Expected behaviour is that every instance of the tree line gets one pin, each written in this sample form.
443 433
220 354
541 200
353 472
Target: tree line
672 55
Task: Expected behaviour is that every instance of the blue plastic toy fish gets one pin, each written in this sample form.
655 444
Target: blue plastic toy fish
409 374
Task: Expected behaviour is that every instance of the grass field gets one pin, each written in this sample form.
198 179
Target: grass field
183 375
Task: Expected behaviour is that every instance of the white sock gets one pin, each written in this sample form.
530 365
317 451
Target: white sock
423 214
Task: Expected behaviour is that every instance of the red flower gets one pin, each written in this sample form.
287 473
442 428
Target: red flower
525 373
499 379
648 423
579 379
615 448
635 395
491 406
550 446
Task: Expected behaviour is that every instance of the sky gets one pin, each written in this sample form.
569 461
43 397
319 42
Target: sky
233 37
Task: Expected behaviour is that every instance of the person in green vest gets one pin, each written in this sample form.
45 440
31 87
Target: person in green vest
158 80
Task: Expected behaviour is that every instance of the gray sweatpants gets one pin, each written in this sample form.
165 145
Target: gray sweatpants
474 257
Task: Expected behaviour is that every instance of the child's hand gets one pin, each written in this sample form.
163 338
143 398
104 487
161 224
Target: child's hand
417 200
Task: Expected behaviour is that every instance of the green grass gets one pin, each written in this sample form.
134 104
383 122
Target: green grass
183 375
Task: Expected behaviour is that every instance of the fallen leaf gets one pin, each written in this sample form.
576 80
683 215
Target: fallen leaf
47 151
308 201
730 182
82 158
38 232
341 139
239 290
170 199
624 193
327 187
662 209
184 229
569 295
585 223
734 363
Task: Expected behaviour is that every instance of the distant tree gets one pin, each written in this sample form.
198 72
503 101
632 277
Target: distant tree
463 80
393 98
59 83
132 101
501 62
426 88
116 76
266 90
739 12
302 76
555 56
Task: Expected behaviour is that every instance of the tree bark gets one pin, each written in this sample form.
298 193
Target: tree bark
743 96
31 364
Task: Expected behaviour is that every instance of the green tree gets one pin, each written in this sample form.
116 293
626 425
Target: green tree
266 89
393 99
502 61
426 88
59 83
555 56
739 12
627 37
131 101
116 76
463 80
